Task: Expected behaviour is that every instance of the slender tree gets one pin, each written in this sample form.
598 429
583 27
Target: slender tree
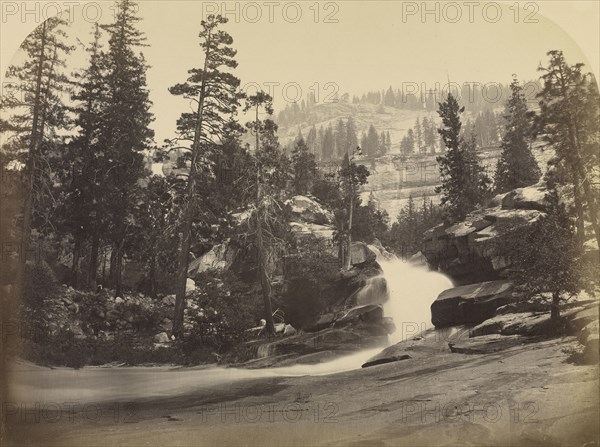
37 113
214 91
267 222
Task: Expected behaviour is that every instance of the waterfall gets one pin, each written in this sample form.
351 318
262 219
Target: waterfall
264 350
411 289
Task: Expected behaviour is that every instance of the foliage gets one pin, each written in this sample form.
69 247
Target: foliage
311 283
568 122
226 310
304 168
213 89
405 235
517 166
464 182
545 257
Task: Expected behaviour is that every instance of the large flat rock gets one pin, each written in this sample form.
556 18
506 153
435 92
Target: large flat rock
473 303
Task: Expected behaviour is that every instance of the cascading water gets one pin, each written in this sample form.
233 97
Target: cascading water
411 290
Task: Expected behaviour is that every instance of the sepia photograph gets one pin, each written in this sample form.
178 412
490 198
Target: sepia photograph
299 223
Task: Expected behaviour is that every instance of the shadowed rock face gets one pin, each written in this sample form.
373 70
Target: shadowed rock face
472 303
466 250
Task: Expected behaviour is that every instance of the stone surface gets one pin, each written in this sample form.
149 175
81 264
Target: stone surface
371 313
529 198
169 300
190 285
361 254
161 337
308 210
590 352
219 257
486 344
466 250
473 303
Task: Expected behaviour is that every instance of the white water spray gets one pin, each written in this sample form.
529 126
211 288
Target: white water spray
411 288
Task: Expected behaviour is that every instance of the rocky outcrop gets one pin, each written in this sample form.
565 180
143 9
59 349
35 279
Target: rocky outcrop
467 250
579 320
220 257
305 209
361 254
471 303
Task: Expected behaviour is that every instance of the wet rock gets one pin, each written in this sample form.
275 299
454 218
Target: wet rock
370 313
375 291
381 361
473 303
324 321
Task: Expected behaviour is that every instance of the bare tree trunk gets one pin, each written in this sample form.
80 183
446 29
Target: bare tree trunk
580 219
30 165
112 278
153 276
119 272
104 266
93 270
265 284
348 263
75 265
554 307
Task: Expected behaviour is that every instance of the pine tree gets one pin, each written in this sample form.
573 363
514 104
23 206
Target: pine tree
388 143
125 128
418 136
407 145
304 168
311 141
372 142
351 138
328 144
215 92
82 205
340 135
267 223
535 268
568 121
35 98
464 183
517 166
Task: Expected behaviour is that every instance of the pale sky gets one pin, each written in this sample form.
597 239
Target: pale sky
348 46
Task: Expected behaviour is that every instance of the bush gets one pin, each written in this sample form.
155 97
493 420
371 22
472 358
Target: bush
312 284
225 311
40 283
